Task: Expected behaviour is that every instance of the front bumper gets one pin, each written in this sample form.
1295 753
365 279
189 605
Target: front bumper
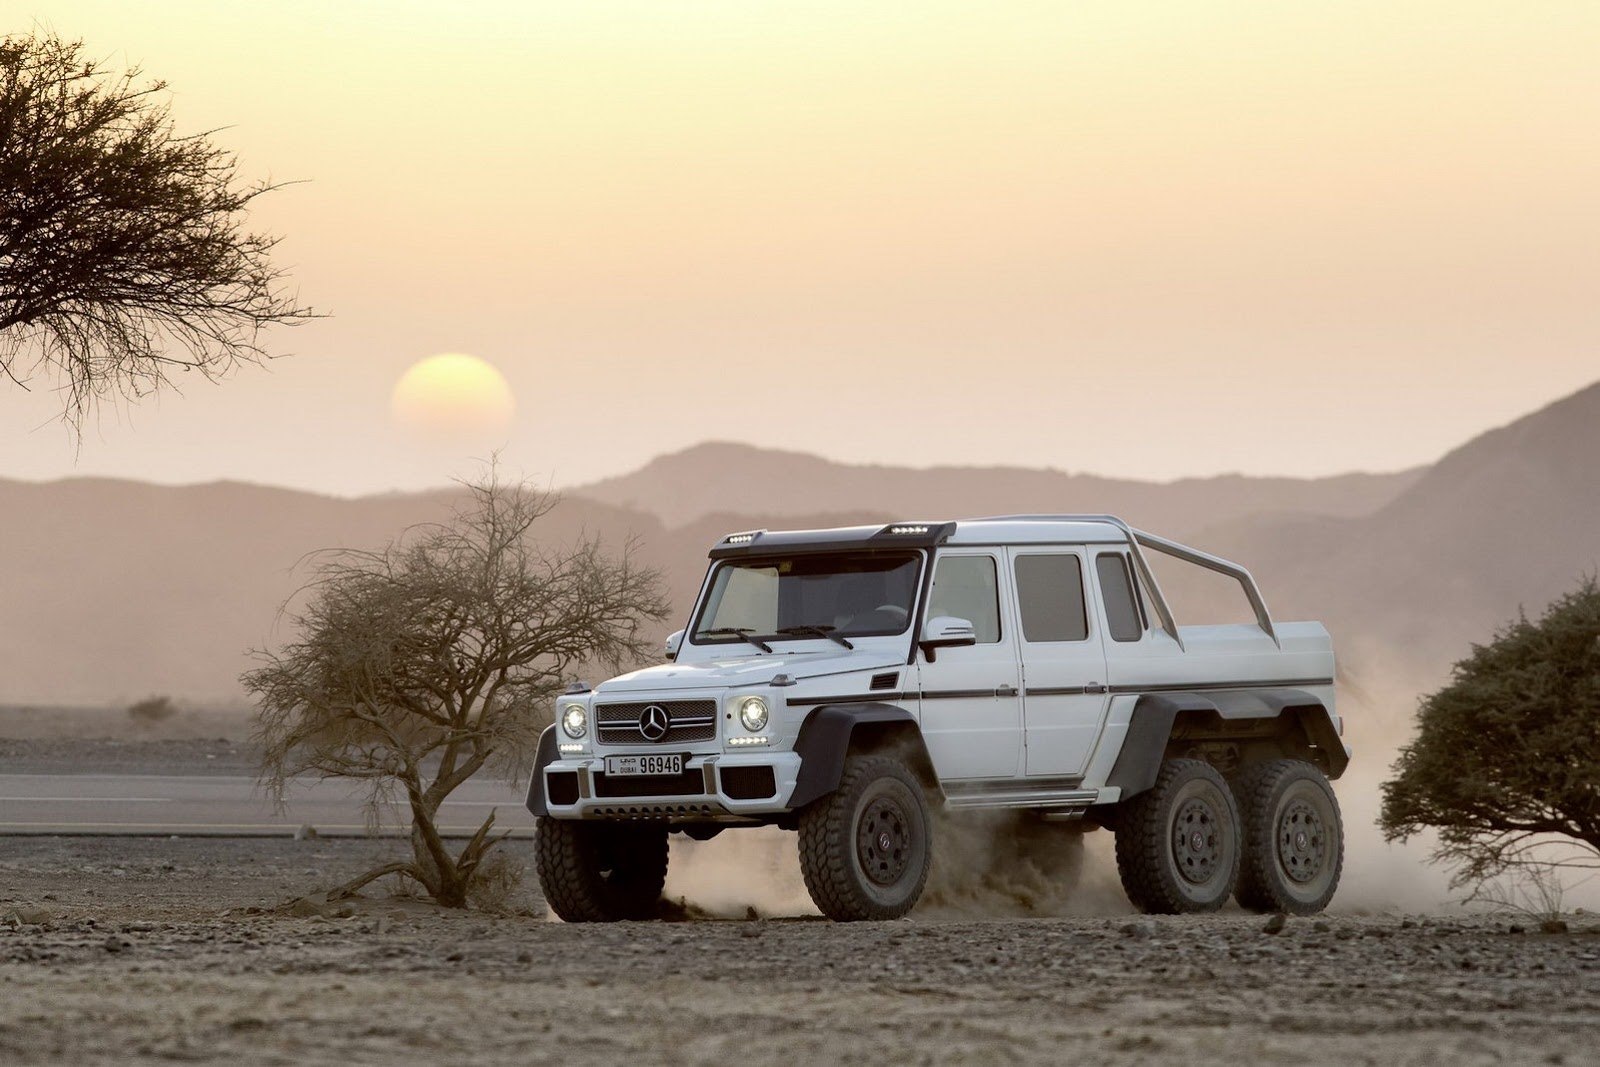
713 787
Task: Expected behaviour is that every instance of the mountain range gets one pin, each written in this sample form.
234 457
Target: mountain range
111 590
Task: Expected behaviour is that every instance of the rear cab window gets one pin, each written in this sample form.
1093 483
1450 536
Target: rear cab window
1124 619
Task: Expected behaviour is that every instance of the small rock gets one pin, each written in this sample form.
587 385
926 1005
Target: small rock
304 908
307 832
116 944
1275 923
1514 928
1140 930
1321 926
750 913
1553 926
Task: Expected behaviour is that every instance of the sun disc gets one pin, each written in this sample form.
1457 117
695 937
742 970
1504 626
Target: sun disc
453 396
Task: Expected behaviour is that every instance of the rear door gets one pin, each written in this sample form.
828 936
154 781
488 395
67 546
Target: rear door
971 704
1063 659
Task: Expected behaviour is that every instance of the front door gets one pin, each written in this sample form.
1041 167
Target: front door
971 703
1063 661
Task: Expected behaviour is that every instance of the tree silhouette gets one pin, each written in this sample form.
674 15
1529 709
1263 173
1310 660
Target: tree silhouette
420 665
123 256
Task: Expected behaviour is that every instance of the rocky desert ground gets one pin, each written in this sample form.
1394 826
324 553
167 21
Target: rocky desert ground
207 950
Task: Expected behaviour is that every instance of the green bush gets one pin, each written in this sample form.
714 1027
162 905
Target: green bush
1505 764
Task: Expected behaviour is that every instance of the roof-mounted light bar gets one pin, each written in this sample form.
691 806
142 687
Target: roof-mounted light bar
741 538
912 529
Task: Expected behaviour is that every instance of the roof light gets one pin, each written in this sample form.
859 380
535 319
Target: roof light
908 529
741 539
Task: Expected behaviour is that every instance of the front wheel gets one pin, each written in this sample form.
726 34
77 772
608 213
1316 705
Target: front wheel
1293 838
865 848
1178 842
600 872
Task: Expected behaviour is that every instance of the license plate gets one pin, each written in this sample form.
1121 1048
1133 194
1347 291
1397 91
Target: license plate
624 766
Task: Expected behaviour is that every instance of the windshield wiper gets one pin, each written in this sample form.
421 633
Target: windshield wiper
815 631
743 632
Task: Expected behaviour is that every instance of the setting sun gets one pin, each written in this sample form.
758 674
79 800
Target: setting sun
453 395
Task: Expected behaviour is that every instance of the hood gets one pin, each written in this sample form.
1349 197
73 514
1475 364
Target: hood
749 670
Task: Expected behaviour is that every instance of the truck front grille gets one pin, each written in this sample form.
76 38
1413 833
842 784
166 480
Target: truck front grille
687 720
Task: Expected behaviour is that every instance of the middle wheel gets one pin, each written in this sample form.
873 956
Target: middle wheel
865 848
1178 842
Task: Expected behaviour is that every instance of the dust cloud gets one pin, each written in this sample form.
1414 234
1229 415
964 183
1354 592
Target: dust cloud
1000 865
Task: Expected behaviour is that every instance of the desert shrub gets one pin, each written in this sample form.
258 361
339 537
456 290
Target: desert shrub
1505 765
152 710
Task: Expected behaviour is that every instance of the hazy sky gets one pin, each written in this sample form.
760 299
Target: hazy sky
1140 239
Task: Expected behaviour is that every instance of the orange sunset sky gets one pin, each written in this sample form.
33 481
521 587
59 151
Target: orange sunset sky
1137 239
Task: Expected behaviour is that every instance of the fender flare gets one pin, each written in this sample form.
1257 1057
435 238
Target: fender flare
1150 727
824 741
542 758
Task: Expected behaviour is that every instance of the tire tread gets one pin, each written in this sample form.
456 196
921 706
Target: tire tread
827 843
1141 844
1258 888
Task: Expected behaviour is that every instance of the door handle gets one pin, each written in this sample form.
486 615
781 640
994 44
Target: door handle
1094 687
1005 690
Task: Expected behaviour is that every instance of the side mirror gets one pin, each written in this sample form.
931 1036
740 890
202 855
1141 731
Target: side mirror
674 642
945 631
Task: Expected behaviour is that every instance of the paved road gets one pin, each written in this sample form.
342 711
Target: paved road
218 804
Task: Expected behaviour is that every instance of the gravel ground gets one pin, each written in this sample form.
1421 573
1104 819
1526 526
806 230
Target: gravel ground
114 949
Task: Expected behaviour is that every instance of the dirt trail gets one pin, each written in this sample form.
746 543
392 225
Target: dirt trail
112 949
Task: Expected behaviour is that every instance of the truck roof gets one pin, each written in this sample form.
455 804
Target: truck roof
1002 530
995 530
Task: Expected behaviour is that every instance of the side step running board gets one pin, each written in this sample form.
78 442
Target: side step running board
1073 799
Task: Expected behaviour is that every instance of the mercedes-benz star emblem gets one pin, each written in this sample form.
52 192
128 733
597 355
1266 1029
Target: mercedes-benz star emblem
653 722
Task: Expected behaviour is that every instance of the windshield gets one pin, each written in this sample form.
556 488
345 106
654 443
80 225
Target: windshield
856 594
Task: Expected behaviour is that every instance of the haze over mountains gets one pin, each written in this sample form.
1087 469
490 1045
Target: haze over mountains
112 590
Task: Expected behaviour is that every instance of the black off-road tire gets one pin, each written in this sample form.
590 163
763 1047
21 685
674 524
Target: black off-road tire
1178 843
865 848
1293 838
597 872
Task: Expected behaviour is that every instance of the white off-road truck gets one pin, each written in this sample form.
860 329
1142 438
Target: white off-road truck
858 684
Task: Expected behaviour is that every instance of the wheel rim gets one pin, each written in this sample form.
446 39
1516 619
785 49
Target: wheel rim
1197 843
884 841
1302 841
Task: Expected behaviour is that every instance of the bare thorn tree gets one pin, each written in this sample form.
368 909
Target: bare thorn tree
123 256
438 657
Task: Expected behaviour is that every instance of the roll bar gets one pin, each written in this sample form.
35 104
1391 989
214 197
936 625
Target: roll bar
1138 540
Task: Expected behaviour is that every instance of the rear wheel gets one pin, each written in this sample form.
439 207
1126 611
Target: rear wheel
865 848
1178 842
600 872
1293 838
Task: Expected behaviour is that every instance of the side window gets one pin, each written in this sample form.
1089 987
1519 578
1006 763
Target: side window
1050 596
965 587
1116 589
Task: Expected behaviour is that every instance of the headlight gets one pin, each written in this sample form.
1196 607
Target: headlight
753 713
574 720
